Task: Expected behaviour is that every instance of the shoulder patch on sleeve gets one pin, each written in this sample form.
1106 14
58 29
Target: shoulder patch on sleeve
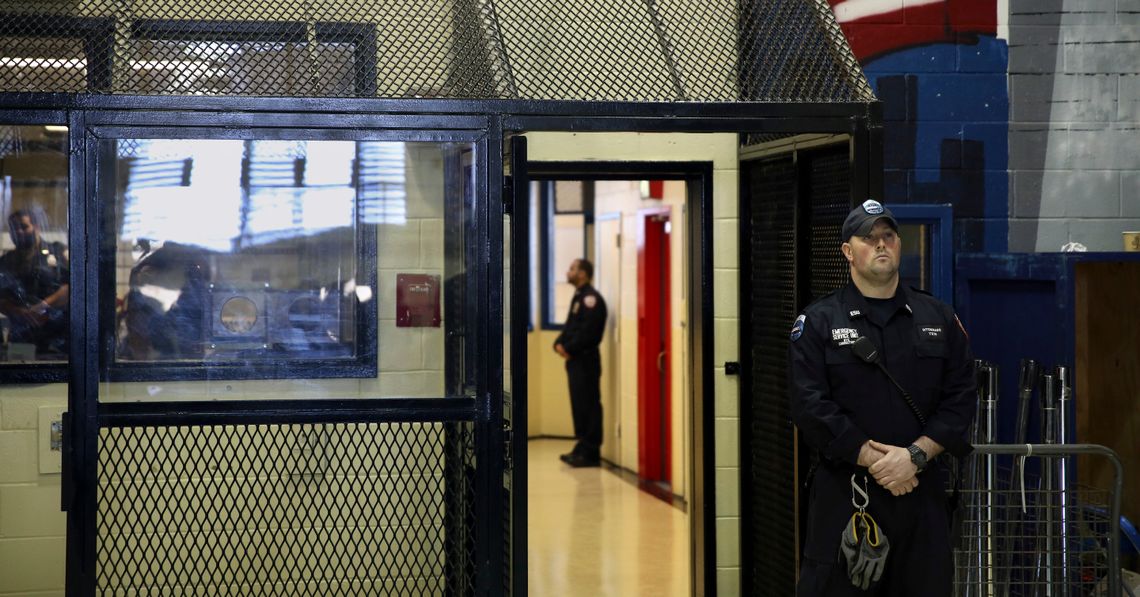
798 328
589 300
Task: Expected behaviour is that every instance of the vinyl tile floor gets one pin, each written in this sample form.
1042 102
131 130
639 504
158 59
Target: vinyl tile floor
592 534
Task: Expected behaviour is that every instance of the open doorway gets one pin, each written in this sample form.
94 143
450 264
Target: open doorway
633 523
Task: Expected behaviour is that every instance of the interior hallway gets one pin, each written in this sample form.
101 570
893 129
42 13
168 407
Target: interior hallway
591 533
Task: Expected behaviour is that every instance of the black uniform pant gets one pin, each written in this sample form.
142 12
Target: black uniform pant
917 525
585 373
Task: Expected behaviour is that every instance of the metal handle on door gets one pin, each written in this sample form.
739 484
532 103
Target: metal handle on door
661 362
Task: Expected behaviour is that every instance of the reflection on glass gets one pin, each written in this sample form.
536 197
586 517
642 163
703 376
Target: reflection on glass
263 251
34 264
222 245
238 315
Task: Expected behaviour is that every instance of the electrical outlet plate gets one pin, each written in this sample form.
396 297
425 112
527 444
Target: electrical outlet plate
50 427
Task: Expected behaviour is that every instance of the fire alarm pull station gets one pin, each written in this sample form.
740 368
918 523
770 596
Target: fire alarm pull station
417 301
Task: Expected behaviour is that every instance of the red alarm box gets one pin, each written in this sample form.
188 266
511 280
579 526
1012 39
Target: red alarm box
417 301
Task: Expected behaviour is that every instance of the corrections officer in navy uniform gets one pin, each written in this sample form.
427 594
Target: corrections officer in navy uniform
578 344
34 290
858 422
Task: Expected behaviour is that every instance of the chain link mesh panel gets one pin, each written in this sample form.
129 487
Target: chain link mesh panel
771 520
793 50
829 182
603 50
320 509
798 203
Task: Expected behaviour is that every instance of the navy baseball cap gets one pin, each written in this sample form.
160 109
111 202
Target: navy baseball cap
862 219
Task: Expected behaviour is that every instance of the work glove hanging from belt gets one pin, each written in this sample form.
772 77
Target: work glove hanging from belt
864 546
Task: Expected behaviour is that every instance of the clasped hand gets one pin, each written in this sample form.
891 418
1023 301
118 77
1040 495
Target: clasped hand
890 466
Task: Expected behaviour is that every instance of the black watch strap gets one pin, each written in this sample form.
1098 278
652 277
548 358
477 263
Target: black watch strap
917 456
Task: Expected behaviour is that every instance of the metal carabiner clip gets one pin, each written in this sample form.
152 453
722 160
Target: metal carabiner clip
859 492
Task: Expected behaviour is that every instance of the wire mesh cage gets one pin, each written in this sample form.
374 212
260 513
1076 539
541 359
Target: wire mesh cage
1028 531
604 50
306 509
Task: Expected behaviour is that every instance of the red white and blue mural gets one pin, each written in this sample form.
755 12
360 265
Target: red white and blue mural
939 67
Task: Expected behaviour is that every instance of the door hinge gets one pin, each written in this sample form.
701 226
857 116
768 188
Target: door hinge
508 195
508 448
617 237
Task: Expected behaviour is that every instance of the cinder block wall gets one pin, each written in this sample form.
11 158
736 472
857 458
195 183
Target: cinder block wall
32 528
1074 79
1023 114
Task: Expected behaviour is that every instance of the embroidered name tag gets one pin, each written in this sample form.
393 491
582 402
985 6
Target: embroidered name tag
844 336
931 332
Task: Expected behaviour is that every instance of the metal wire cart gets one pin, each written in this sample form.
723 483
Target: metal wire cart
1021 536
1027 530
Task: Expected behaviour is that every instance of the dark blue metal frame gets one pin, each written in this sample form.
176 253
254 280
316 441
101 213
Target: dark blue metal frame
86 415
940 219
520 295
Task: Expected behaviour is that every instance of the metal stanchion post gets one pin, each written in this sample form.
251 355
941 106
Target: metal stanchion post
989 469
1064 393
1048 484
1016 521
979 472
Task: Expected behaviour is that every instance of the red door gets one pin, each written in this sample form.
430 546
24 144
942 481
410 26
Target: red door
653 337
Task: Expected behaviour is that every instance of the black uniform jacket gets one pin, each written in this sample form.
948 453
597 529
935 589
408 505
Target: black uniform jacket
585 324
839 402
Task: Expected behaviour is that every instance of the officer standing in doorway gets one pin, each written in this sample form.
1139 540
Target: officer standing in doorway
578 344
878 415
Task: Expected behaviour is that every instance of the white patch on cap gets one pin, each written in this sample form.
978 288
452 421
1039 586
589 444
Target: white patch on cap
872 207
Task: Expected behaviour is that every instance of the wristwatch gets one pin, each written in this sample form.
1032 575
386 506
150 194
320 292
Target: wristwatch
917 456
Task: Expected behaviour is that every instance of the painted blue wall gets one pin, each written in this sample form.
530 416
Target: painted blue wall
946 112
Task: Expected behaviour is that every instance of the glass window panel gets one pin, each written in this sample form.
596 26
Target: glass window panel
915 267
569 196
34 255
240 254
567 243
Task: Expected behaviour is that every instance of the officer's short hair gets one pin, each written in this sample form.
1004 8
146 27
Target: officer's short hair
585 266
